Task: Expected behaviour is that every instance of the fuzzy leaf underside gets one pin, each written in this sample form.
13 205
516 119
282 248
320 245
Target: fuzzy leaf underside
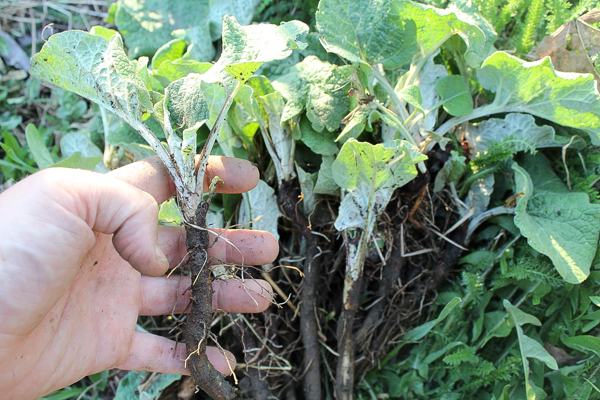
370 173
364 31
519 131
563 226
95 68
261 202
536 88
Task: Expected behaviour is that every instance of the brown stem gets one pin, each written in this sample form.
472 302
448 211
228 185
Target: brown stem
289 193
199 320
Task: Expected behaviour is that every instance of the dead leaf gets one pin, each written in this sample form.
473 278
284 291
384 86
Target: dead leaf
187 388
571 46
561 356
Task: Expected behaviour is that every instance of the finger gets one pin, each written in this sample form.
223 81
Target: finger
163 296
151 176
158 354
110 206
234 246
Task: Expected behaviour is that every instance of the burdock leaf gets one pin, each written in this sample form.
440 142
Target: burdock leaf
318 86
364 31
536 88
95 68
435 26
564 226
370 173
455 95
259 44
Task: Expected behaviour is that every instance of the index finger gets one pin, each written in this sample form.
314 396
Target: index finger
151 176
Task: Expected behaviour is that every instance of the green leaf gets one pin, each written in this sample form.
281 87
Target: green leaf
185 110
455 96
170 71
307 185
255 44
241 10
536 88
420 331
135 385
519 317
529 348
563 226
319 142
102 31
435 26
243 71
325 182
452 171
584 343
318 86
38 148
147 25
370 173
170 51
77 161
364 31
260 202
64 394
96 69
412 95
78 142
200 45
169 213
518 131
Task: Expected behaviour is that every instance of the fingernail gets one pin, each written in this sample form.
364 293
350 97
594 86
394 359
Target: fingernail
160 255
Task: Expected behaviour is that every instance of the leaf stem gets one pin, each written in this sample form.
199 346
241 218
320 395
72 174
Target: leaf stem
212 137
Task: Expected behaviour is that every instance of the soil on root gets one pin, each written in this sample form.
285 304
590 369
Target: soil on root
197 329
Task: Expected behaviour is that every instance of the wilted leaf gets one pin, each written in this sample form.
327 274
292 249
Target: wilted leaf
571 46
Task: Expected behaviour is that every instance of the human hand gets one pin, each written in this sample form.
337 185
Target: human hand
70 296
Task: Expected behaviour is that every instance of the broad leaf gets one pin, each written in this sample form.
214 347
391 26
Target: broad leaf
455 96
325 182
536 88
563 226
518 131
452 171
364 31
96 69
370 173
255 44
435 26
319 87
260 202
242 10
147 24
529 347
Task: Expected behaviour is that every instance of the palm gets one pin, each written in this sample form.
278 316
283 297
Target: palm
96 320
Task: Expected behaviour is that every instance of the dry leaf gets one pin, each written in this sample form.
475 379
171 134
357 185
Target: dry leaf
571 46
